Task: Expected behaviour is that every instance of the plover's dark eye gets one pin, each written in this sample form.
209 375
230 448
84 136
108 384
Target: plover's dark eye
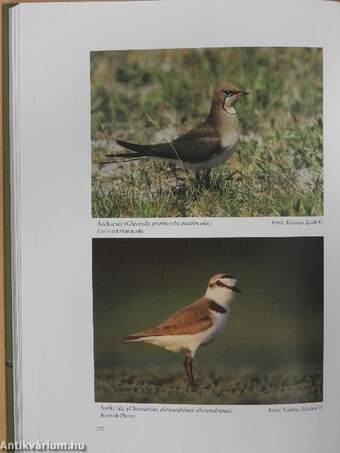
228 93
219 283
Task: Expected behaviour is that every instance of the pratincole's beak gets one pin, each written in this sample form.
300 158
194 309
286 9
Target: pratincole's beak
242 93
236 289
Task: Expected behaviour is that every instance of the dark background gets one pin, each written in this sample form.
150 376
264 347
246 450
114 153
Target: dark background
275 324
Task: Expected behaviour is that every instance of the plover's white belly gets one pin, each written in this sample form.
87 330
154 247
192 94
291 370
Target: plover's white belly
175 343
220 320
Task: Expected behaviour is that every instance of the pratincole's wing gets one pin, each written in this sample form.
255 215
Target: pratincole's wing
197 145
192 319
194 146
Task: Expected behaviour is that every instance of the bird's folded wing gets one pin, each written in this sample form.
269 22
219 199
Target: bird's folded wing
193 151
197 145
190 320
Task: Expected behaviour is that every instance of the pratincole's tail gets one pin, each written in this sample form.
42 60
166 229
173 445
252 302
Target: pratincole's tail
143 150
160 150
139 152
127 158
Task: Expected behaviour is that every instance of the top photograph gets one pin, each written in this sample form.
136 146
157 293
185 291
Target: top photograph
218 132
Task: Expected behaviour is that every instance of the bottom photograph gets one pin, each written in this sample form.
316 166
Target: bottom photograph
220 321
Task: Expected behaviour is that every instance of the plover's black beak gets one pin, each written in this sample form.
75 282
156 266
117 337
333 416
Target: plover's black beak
236 289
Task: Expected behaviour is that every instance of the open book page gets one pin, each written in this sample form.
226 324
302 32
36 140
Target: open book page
175 225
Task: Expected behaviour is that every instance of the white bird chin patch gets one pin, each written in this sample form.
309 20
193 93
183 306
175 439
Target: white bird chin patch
231 110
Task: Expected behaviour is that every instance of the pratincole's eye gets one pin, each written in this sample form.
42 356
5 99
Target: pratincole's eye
228 93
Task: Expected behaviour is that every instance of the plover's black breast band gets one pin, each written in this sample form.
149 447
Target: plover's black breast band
217 307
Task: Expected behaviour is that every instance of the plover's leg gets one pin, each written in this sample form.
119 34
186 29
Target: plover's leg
186 367
193 385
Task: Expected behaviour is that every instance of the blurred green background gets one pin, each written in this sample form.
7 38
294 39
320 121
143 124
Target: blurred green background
148 96
275 327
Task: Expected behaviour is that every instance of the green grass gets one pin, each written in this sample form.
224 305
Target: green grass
151 96
213 387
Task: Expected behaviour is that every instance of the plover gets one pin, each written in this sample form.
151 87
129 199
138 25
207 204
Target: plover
210 144
194 325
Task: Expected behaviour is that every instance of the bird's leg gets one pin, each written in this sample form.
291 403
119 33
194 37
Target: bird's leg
173 170
186 367
203 177
206 177
193 385
198 176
